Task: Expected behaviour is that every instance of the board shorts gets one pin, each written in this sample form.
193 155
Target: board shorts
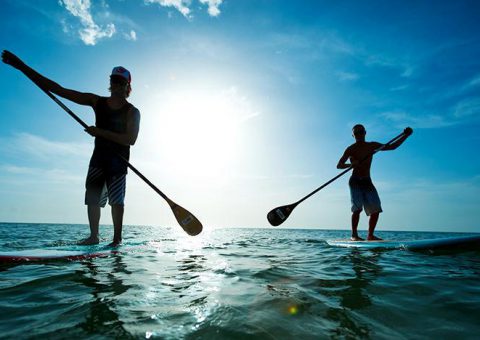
364 195
106 179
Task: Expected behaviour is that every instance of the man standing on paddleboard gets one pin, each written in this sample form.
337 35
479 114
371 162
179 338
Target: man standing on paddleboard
117 123
362 191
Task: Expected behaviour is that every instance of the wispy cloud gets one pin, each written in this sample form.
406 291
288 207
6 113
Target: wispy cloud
468 108
39 174
327 46
184 6
91 32
180 5
399 88
26 144
347 76
325 43
426 121
468 85
406 69
97 22
464 111
13 169
463 189
475 81
245 109
30 159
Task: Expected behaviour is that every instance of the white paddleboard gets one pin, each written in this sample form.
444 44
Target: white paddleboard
449 242
50 254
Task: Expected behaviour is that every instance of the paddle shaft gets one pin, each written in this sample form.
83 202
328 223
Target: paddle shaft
82 123
347 170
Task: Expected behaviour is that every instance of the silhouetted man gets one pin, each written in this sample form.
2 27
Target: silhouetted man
116 127
362 191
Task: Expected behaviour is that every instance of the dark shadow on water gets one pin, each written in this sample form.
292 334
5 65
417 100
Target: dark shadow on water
187 276
101 318
92 314
366 270
353 295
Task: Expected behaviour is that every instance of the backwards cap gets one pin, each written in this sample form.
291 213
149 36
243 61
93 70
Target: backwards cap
122 72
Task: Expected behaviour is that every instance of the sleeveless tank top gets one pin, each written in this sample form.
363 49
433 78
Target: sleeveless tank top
114 120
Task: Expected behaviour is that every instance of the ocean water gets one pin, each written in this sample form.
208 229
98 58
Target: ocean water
236 284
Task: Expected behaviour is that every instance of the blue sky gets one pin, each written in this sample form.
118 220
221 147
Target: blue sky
247 105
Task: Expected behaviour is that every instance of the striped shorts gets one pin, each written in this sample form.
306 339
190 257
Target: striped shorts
100 186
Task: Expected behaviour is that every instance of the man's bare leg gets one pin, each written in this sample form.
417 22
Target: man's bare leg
94 221
355 220
372 223
117 217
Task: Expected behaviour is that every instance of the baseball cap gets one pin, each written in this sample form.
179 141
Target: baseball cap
122 72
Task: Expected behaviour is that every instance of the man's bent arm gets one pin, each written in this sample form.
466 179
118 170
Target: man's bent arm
127 138
342 162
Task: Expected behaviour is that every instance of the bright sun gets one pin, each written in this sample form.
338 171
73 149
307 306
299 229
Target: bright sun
198 132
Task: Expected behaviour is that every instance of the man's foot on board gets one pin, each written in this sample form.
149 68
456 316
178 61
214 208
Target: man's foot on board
115 244
89 241
356 238
374 238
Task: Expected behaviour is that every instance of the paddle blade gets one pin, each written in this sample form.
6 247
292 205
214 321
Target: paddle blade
279 215
187 221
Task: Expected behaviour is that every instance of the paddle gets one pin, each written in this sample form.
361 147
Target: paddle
280 214
186 219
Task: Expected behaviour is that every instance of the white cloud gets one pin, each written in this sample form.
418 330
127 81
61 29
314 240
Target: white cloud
131 36
90 32
183 6
213 6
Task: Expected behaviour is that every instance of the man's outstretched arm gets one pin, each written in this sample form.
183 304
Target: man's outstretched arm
407 132
47 84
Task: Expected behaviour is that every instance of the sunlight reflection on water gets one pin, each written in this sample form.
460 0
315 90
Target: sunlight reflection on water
238 283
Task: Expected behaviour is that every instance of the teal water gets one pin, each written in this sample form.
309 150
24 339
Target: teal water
236 284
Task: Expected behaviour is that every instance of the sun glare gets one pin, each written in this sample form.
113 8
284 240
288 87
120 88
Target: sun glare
198 132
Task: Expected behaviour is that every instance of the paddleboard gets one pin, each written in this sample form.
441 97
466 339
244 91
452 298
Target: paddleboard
450 242
50 254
